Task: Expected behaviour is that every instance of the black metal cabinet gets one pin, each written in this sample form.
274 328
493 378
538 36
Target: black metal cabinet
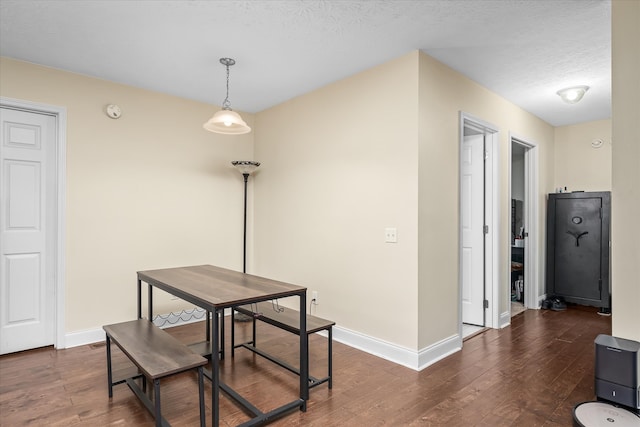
578 234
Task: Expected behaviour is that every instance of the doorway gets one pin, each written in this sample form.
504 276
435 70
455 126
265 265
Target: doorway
478 228
524 287
32 228
517 230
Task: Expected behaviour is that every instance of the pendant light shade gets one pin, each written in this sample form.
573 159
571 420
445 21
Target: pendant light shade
227 121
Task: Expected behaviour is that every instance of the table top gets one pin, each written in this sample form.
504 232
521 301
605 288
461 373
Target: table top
217 287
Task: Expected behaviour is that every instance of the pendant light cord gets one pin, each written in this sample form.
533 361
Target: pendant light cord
226 105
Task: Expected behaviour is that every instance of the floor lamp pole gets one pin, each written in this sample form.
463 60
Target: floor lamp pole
246 167
244 237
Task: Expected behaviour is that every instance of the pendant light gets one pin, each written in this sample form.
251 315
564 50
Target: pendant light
227 121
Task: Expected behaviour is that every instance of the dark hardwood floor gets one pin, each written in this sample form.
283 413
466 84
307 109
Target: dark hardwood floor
529 374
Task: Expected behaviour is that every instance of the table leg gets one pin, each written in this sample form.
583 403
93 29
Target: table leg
150 307
109 369
330 357
233 333
222 335
207 325
215 371
304 352
139 299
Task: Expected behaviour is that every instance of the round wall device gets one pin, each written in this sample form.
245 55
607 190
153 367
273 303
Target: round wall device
114 111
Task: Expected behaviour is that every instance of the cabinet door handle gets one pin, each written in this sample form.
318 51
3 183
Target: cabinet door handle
577 236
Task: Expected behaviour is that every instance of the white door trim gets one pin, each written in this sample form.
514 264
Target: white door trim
532 293
60 113
492 219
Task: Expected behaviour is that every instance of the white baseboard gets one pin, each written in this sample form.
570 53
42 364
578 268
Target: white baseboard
541 298
90 336
438 351
416 360
505 318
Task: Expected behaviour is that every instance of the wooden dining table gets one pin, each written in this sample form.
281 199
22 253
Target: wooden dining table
215 289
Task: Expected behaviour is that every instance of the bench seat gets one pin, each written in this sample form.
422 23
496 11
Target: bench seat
157 355
287 319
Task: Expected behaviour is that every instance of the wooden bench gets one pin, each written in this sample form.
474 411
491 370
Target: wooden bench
289 320
156 355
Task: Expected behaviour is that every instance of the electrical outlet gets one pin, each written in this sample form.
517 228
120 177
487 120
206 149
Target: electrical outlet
391 235
314 297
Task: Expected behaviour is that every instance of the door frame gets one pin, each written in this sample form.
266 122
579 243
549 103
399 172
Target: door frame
492 219
60 114
531 221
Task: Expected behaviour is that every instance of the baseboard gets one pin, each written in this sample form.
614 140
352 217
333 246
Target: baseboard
505 318
416 360
438 351
90 336
541 298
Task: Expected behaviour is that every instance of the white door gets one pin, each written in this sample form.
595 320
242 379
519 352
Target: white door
472 229
27 195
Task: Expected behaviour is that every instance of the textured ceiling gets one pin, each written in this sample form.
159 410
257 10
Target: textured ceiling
524 50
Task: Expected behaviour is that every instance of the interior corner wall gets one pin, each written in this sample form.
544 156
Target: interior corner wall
443 94
149 190
625 197
339 165
577 164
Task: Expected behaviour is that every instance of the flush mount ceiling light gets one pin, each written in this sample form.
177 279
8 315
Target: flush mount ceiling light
227 121
571 95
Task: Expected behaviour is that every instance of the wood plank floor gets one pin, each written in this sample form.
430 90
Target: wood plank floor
529 374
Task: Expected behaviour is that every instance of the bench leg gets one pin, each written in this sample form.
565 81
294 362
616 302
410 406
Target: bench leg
109 371
156 390
203 423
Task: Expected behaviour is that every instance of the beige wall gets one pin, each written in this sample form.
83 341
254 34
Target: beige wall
443 93
339 166
149 190
376 150
625 197
577 165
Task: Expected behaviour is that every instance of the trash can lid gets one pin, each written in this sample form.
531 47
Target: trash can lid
602 414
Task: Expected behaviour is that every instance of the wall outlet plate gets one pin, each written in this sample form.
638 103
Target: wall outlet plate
391 235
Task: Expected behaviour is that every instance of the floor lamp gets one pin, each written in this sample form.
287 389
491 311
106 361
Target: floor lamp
246 168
